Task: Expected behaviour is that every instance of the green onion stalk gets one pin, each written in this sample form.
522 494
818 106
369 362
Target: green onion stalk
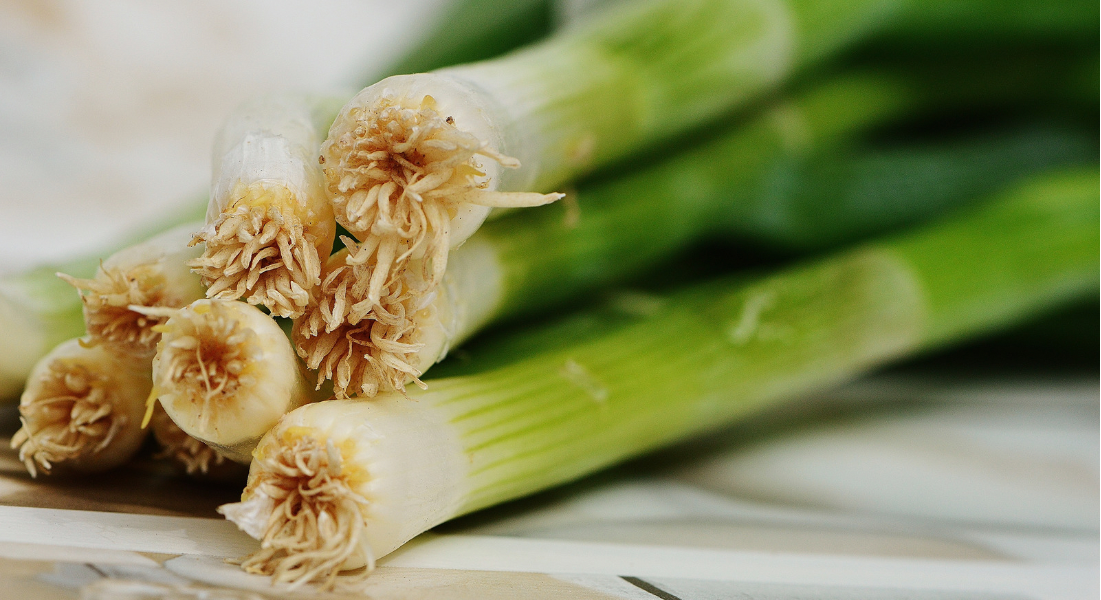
338 484
414 163
750 182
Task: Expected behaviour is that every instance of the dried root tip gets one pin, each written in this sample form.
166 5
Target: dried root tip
195 456
70 416
309 520
397 175
107 299
261 249
362 354
206 358
356 365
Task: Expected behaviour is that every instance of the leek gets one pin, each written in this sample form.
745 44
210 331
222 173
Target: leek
338 484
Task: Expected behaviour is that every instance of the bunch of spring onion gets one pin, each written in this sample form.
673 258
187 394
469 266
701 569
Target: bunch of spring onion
338 484
38 312
268 234
413 164
717 184
527 262
83 401
532 262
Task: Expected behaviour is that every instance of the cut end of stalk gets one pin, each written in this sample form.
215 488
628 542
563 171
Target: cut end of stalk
205 356
107 300
196 457
303 509
262 249
70 416
363 347
397 171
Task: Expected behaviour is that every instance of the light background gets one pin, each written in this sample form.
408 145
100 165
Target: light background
108 108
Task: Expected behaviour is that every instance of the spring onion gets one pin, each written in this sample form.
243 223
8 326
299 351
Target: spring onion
338 484
752 183
151 273
269 225
559 108
82 409
224 372
624 78
364 347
